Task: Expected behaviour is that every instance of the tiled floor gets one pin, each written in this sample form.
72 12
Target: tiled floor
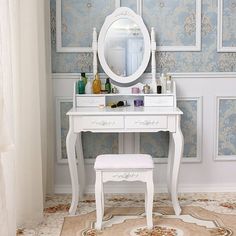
57 207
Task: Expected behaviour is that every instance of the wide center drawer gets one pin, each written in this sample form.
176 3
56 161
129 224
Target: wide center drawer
98 122
145 122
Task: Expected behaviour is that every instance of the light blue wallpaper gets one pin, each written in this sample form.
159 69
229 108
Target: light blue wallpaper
79 18
229 23
156 144
174 21
178 15
93 143
64 108
132 4
227 127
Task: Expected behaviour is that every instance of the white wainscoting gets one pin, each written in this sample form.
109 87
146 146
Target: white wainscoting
205 176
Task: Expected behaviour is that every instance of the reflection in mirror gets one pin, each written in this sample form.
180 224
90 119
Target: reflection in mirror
124 47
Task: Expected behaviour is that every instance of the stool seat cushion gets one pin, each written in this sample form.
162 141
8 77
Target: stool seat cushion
123 161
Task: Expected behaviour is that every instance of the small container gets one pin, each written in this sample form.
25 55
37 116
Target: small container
80 87
135 90
84 78
163 82
168 84
159 88
114 90
138 102
97 84
146 89
108 85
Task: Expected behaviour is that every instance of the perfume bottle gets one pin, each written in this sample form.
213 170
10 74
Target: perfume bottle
84 78
168 84
163 82
97 84
80 87
88 86
108 85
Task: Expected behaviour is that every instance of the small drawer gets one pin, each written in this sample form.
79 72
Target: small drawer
146 122
98 122
89 101
159 101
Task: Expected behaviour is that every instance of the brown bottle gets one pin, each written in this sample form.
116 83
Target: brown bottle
96 84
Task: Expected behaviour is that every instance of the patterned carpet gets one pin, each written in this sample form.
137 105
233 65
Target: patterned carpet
203 214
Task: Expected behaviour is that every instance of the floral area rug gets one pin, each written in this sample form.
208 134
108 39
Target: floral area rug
127 221
203 214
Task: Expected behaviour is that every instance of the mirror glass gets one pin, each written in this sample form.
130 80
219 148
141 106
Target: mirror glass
124 47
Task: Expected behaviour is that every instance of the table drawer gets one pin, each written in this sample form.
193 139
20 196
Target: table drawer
145 122
98 122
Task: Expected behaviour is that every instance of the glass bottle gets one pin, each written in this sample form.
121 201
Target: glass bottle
168 84
97 84
163 82
108 85
80 87
84 78
88 86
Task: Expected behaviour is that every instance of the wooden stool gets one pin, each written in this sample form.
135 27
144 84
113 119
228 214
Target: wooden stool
124 167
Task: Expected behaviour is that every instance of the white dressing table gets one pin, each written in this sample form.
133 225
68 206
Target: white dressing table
159 112
126 119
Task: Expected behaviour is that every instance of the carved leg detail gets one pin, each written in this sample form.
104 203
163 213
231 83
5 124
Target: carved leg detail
70 147
81 170
170 162
179 142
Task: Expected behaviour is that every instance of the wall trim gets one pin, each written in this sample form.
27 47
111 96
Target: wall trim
196 159
198 44
138 188
197 75
220 47
218 157
58 101
59 45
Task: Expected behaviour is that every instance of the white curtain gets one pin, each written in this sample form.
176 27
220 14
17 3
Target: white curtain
24 95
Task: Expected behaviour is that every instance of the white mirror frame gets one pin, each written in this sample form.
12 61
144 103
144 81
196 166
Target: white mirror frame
121 13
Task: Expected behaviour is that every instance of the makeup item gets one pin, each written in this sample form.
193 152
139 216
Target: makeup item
80 87
84 78
108 85
159 89
88 87
114 90
97 84
138 102
146 89
168 84
163 82
135 90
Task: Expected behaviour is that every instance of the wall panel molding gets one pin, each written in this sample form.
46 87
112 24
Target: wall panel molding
59 100
191 159
198 45
59 45
220 47
217 156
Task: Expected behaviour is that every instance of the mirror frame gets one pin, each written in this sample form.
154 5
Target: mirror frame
124 13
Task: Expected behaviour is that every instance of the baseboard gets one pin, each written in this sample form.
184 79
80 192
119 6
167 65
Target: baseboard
138 188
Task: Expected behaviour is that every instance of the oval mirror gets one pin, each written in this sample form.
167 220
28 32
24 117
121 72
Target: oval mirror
124 46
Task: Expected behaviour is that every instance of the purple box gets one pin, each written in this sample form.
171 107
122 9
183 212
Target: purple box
138 102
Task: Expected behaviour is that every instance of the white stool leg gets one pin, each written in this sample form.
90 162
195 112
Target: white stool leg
98 198
150 192
102 191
